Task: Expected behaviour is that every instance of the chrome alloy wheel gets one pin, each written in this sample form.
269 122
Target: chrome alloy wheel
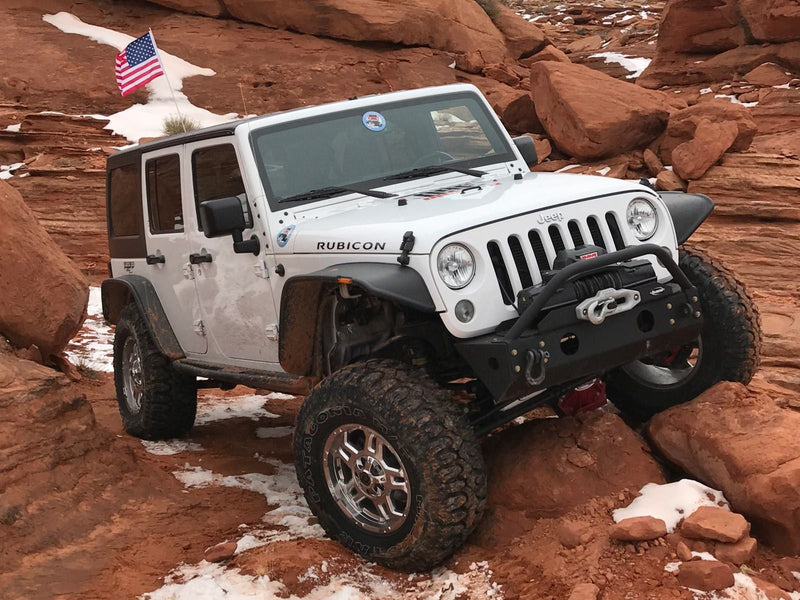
132 375
366 478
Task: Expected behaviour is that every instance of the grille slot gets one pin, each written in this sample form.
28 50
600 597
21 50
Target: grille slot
594 230
575 232
538 250
616 234
501 272
555 237
519 261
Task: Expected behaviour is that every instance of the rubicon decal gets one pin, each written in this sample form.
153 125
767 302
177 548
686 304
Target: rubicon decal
351 246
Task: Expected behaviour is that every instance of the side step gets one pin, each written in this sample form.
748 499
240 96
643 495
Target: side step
266 380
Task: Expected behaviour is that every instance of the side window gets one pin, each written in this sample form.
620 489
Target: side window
125 206
460 134
164 194
216 174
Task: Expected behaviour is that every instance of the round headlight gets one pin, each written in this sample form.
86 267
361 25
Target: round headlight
642 218
456 266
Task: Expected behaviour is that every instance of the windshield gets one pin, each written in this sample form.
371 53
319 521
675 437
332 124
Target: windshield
364 148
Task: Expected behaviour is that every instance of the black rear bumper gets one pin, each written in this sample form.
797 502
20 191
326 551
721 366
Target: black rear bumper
548 345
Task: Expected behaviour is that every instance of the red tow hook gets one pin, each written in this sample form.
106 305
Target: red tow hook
584 398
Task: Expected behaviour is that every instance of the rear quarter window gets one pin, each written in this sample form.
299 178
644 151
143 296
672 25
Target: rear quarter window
125 226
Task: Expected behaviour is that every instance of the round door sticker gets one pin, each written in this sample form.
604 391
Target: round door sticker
374 121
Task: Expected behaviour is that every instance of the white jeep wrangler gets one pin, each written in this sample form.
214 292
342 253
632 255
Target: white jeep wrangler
393 259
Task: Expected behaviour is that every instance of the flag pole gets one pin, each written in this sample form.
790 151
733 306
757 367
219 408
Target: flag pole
164 69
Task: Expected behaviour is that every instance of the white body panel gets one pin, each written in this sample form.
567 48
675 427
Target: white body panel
238 304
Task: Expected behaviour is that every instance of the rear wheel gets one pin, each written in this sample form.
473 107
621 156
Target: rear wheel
389 464
728 349
155 401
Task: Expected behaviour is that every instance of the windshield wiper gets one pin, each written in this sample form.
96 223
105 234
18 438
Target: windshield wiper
433 170
334 190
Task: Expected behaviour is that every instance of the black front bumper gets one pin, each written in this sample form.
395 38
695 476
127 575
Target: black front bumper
548 345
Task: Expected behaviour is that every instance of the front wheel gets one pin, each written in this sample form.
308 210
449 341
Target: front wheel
389 464
728 349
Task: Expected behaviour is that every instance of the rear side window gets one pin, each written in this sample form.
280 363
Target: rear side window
125 207
164 194
216 174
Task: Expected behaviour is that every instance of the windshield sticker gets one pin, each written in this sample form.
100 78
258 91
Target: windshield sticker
374 121
284 235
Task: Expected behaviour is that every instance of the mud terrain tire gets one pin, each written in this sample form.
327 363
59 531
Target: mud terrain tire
168 400
435 447
731 342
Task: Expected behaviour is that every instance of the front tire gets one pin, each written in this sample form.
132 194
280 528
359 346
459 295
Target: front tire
389 465
729 347
155 401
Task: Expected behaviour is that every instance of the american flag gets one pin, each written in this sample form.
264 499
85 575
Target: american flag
138 64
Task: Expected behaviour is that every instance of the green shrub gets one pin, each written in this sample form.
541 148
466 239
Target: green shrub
490 7
173 125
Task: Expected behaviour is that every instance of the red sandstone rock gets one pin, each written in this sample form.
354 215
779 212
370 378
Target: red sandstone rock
514 107
737 553
772 20
208 8
638 529
683 124
572 534
502 73
452 25
654 164
706 575
711 140
220 552
522 37
620 461
591 115
46 309
756 458
715 523
668 181
584 591
550 53
683 552
543 147
470 62
768 74
585 44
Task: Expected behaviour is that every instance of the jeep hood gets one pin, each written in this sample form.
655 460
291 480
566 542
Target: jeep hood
441 208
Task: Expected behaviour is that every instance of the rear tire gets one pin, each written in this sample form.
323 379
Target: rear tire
423 466
729 345
155 401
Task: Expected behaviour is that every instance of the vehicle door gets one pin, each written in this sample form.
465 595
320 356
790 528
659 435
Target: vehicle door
168 246
235 297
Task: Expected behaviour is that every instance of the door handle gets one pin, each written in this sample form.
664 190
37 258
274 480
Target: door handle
196 259
154 259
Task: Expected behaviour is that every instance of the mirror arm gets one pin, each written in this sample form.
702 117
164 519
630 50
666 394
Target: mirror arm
240 246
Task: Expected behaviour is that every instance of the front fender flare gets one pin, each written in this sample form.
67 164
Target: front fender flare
688 211
302 296
117 292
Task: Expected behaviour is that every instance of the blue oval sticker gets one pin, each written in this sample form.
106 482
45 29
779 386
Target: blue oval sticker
284 235
374 121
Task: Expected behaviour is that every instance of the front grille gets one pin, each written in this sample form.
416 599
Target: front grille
519 260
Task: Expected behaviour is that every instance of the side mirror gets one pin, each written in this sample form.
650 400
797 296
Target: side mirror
527 149
225 216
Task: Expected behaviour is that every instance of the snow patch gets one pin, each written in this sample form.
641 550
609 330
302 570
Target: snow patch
7 171
250 407
671 502
170 447
735 100
145 120
14 128
632 64
93 347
